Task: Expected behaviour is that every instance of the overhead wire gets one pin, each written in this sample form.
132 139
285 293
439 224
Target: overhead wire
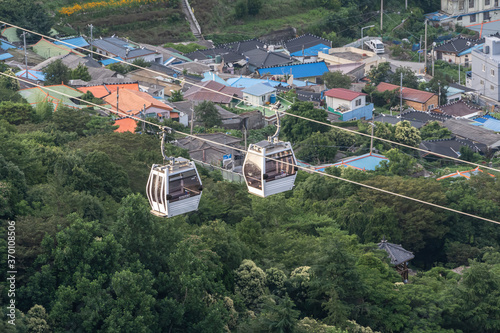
269 158
261 106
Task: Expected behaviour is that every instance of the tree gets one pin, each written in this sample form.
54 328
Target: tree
250 282
381 73
176 96
240 9
336 80
81 72
28 14
37 320
207 113
57 73
295 129
119 68
139 62
11 82
407 134
16 113
409 78
399 163
434 131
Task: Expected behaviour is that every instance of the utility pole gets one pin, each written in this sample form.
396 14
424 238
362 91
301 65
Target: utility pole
459 72
144 118
406 4
425 52
381 14
420 48
91 40
401 95
117 100
432 55
192 117
371 141
439 94
25 53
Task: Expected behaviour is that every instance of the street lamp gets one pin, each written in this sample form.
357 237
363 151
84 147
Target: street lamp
363 44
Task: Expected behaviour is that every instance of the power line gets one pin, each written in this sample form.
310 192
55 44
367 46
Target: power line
273 159
259 106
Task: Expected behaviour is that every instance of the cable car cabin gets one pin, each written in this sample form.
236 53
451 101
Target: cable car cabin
270 168
174 189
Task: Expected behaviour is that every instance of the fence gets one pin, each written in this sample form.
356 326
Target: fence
226 174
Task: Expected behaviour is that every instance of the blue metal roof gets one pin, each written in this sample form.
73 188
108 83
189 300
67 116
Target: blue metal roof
311 51
6 56
73 43
106 62
211 76
246 82
363 162
259 89
6 45
475 47
436 16
453 91
298 71
489 122
33 75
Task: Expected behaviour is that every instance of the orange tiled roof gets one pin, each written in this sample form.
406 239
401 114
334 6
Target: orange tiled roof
410 94
125 125
132 102
106 89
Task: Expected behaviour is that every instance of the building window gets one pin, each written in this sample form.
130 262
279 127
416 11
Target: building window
459 18
484 68
481 82
486 2
486 16
492 72
473 18
492 87
471 3
430 107
358 102
461 4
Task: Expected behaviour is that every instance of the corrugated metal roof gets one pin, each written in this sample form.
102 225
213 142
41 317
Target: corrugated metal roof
5 56
73 43
33 75
305 42
397 253
298 70
311 51
259 89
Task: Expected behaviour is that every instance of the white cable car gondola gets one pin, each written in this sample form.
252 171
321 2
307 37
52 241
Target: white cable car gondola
270 166
173 188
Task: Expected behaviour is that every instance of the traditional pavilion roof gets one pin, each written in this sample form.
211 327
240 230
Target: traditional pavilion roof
396 253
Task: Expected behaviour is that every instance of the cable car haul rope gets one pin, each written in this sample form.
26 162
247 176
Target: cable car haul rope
175 188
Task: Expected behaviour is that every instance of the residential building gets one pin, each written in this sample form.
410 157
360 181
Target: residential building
259 94
103 90
33 76
350 55
488 122
348 104
417 99
246 45
477 134
466 12
214 92
363 162
47 49
258 58
133 103
465 174
229 120
459 109
307 47
355 70
10 34
78 43
450 147
485 68
458 50
125 50
305 71
57 95
393 120
125 124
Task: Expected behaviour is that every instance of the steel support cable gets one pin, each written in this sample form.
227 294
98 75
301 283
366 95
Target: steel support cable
276 160
266 107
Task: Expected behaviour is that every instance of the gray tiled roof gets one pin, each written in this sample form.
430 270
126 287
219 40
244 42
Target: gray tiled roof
304 42
262 58
244 46
396 253
465 130
226 54
458 45
118 46
383 118
451 147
